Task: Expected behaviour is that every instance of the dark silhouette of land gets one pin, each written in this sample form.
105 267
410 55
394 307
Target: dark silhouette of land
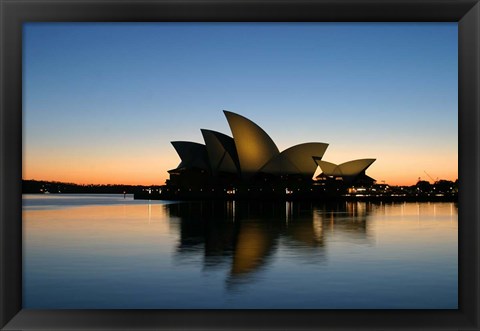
300 189
440 190
42 187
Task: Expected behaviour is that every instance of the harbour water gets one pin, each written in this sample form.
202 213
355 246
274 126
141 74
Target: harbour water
104 251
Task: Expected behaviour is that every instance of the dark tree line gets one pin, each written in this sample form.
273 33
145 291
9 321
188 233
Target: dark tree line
40 186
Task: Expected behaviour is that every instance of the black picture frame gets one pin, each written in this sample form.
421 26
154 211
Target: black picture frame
15 12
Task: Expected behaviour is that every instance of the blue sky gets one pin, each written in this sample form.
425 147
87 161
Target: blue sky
118 93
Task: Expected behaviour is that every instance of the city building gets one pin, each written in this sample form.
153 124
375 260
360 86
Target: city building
249 164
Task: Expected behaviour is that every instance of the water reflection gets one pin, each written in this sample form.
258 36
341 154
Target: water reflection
142 254
246 235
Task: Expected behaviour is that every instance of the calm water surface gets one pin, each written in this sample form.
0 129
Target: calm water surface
104 251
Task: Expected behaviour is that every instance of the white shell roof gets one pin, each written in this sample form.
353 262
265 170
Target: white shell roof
251 150
254 147
221 151
347 169
298 159
193 155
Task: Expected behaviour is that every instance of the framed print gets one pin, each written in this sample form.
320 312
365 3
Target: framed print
239 165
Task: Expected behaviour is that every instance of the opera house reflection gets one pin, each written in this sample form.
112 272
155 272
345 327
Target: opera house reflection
81 250
246 236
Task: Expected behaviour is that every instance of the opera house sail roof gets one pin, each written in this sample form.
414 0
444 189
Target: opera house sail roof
221 150
193 155
348 170
252 152
298 159
254 147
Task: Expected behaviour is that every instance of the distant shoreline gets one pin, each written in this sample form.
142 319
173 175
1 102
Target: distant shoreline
42 187
299 197
154 192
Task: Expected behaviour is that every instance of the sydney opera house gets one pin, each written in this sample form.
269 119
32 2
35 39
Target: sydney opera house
249 164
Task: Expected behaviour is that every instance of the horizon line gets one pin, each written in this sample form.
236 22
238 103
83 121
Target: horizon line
105 184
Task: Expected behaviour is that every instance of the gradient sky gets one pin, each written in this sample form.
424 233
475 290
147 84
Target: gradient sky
102 101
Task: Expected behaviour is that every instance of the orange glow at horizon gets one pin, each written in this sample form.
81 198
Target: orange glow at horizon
152 170
82 168
148 165
400 165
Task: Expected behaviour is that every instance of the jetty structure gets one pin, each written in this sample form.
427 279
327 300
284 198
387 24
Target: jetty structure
249 165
